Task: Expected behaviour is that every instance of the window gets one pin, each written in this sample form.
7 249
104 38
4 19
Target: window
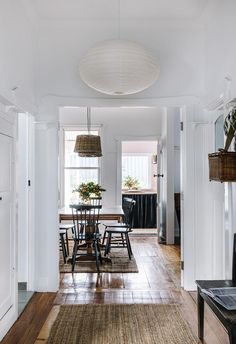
137 166
77 170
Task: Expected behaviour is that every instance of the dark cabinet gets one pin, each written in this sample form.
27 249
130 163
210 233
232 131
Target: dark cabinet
145 209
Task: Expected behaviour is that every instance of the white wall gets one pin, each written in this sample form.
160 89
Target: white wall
177 44
17 54
219 47
203 201
220 64
117 124
17 71
149 147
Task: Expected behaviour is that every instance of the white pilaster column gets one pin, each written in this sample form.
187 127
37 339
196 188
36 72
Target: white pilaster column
46 200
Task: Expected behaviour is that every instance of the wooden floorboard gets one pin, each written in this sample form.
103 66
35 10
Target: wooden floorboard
156 282
29 324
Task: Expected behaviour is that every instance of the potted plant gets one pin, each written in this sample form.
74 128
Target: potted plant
88 190
222 165
131 183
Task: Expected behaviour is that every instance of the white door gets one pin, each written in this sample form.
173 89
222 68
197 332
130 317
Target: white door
6 228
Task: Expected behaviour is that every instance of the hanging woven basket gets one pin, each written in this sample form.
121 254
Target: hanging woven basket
222 166
88 146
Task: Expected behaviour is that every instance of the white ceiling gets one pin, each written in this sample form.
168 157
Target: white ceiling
109 9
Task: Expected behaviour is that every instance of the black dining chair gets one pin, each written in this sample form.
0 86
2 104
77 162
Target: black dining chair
86 233
62 244
117 234
92 201
64 228
95 200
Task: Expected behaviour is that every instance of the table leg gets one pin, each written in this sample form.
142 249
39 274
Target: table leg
232 335
200 308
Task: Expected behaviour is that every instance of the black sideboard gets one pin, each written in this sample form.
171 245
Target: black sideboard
145 209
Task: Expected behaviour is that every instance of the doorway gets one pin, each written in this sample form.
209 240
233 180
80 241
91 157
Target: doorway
139 182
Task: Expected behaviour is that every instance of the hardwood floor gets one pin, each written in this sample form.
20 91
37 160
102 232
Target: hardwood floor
158 281
30 322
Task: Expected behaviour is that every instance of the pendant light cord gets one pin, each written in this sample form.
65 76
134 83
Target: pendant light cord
89 120
118 19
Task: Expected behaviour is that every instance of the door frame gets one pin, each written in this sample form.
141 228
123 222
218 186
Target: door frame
30 232
31 203
47 117
119 156
159 186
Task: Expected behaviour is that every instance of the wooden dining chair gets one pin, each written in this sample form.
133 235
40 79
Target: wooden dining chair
117 234
86 234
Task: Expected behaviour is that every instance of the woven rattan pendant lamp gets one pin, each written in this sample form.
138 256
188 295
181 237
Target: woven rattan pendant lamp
88 145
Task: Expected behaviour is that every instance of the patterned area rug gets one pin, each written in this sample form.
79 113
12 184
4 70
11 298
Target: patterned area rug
120 263
123 324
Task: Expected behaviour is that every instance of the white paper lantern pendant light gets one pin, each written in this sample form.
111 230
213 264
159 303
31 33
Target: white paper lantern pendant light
119 67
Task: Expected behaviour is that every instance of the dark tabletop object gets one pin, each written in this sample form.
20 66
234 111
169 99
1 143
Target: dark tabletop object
226 317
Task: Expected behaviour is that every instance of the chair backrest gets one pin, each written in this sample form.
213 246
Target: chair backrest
85 219
95 200
128 205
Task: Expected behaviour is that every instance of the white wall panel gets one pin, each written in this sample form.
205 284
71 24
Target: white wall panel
8 306
203 217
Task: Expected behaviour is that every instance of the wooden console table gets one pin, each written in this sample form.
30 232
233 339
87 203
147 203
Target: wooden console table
227 318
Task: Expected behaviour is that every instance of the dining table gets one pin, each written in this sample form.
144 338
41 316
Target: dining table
114 213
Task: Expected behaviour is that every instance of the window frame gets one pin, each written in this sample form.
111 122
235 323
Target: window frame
149 164
62 131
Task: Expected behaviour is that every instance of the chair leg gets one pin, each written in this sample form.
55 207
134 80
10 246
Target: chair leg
104 236
99 251
67 245
108 244
74 255
81 229
128 245
63 246
122 238
96 255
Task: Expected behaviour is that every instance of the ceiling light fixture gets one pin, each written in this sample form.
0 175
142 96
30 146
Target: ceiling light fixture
119 67
88 145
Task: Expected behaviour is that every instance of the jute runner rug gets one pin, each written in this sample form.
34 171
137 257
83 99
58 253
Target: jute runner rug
120 324
120 263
